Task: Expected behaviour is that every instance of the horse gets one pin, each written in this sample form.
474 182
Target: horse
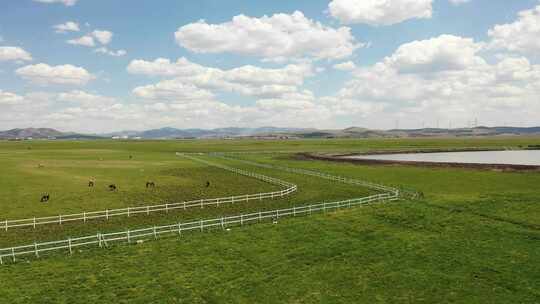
41 166
45 198
112 187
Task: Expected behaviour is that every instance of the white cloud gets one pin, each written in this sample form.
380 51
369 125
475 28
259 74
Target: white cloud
64 2
85 99
246 80
446 78
87 41
279 37
44 74
11 53
69 26
7 98
104 50
442 53
345 66
171 89
104 37
521 36
380 12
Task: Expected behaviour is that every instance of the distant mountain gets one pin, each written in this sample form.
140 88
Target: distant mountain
30 133
172 133
273 132
43 133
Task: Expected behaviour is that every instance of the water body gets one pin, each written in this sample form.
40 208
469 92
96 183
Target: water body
530 157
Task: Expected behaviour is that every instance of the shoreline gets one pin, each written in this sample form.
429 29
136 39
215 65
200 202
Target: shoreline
377 162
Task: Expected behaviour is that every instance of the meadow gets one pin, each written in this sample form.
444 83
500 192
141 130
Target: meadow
474 238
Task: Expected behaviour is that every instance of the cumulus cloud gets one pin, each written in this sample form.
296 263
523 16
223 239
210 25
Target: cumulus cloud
11 53
7 98
520 36
64 2
85 99
426 79
45 74
345 66
446 52
106 51
246 80
171 89
69 26
104 37
84 41
278 37
380 12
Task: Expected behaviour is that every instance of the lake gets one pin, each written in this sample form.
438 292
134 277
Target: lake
522 157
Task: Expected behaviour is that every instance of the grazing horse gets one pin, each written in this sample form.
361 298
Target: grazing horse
112 187
207 184
150 185
45 198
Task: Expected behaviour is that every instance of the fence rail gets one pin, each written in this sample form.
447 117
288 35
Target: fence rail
129 211
104 239
346 180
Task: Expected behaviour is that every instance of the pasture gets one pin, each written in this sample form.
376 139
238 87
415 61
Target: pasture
474 238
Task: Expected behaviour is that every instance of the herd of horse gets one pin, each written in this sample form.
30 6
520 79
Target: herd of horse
112 187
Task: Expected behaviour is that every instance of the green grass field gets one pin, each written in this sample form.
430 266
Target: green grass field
475 238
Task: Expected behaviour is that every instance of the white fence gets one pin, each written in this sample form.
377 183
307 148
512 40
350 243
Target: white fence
313 173
103 239
129 211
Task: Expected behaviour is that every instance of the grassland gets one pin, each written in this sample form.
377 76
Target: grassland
473 239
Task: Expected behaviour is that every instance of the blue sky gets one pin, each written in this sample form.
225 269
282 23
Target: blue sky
447 46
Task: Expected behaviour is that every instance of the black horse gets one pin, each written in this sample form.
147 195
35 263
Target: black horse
112 187
45 198
150 185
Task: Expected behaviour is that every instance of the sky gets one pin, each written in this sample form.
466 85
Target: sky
99 66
